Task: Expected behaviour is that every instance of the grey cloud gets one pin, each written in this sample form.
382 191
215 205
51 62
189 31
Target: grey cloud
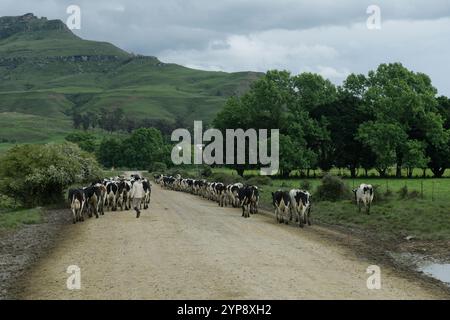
327 36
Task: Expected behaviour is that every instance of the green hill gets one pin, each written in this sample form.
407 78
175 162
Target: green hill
46 71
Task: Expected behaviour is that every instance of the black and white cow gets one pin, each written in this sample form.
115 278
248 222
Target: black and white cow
300 206
148 192
77 203
220 195
232 194
282 202
121 195
111 196
254 200
248 199
211 191
127 195
364 195
198 186
93 197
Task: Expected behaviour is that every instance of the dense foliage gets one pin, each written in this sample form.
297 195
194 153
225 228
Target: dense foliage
38 174
143 148
390 118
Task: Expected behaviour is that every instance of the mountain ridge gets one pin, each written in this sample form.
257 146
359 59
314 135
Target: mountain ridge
43 66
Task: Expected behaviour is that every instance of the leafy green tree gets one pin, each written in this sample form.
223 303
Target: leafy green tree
84 140
384 139
439 153
263 107
144 147
110 153
311 96
398 96
414 156
312 91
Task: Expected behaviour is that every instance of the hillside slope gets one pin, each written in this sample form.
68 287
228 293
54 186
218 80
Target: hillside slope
46 71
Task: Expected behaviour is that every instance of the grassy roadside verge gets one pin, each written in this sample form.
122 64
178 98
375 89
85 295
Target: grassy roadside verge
12 220
391 219
394 218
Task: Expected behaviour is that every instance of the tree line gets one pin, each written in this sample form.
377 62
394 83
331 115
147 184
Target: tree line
391 117
144 148
115 120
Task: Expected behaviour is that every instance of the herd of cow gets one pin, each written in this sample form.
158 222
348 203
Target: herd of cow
287 204
107 194
114 193
234 194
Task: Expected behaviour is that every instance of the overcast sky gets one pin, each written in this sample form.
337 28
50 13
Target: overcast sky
324 36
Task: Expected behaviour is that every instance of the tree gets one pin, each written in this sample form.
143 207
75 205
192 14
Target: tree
439 152
398 96
110 152
77 119
414 156
85 122
384 139
84 140
263 107
144 147
312 95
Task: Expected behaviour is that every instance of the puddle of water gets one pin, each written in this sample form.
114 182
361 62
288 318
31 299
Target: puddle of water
438 271
430 267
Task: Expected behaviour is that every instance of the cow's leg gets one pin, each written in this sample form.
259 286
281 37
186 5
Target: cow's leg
301 218
308 215
74 215
96 209
81 211
368 208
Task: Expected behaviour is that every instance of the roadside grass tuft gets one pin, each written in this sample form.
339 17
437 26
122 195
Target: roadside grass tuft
390 220
14 219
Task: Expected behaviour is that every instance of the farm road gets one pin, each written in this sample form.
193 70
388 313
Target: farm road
185 247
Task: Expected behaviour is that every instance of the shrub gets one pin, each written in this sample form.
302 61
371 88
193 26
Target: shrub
38 174
379 195
332 188
305 185
206 172
403 192
158 167
259 181
225 178
8 203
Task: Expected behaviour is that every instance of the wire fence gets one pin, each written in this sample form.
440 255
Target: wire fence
431 189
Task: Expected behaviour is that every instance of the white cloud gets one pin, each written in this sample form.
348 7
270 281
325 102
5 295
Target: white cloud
333 51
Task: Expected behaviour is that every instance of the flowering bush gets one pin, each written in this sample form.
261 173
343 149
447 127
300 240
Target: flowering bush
38 174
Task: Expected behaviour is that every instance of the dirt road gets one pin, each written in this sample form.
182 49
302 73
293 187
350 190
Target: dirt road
185 247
